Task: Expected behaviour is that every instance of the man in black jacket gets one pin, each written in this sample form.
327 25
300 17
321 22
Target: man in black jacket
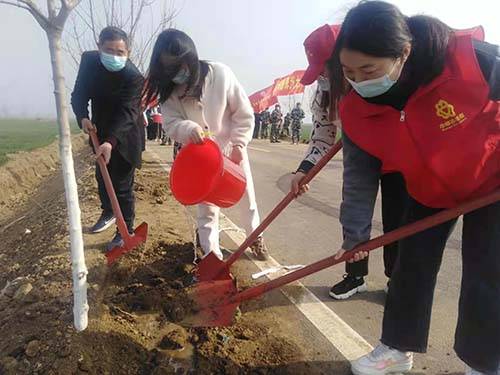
114 85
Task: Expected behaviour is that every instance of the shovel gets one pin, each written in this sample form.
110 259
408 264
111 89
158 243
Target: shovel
216 301
212 268
130 241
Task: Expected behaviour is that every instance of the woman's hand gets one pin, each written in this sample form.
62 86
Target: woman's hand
357 257
196 135
236 154
295 187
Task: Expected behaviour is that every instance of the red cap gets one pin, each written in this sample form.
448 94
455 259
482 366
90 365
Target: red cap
319 47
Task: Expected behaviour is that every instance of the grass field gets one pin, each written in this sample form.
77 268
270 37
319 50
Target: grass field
25 135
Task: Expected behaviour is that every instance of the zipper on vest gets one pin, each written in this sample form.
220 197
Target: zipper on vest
402 116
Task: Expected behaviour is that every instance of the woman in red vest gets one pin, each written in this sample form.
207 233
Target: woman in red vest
418 98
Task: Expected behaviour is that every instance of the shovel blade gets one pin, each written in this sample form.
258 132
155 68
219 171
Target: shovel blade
212 268
212 304
130 243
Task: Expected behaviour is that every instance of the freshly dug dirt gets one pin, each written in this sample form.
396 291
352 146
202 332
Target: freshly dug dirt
135 305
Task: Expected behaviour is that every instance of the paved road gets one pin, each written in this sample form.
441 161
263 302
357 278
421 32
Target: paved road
309 230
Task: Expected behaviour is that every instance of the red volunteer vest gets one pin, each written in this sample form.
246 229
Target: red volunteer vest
157 118
446 141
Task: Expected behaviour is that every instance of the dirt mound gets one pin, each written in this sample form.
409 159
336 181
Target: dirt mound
24 171
135 304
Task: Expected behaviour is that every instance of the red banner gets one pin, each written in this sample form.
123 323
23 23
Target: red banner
263 99
289 85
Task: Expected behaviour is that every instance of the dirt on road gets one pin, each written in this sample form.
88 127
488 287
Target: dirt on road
134 304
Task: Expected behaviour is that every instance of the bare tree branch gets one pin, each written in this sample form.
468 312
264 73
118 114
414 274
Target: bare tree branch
141 19
19 5
94 31
31 7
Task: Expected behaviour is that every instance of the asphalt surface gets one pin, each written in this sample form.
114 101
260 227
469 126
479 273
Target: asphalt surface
309 230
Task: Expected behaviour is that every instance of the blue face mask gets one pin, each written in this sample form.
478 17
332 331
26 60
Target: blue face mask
113 63
373 87
181 77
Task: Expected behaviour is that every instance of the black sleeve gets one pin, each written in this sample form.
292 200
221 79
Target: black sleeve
125 114
488 56
80 96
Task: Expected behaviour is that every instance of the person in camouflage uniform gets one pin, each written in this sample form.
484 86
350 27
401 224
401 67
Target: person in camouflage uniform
265 119
286 125
297 117
276 120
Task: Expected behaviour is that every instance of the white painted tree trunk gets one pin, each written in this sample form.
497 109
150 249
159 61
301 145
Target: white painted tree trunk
79 269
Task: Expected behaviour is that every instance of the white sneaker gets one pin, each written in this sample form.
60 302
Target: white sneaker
471 371
381 361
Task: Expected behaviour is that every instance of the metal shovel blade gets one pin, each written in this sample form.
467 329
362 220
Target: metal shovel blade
212 268
212 304
130 242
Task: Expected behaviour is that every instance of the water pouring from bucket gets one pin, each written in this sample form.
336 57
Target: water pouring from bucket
202 174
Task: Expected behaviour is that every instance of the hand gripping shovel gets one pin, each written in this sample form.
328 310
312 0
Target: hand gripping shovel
212 268
131 241
216 301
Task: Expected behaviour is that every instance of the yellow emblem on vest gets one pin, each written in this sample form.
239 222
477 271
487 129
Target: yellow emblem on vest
445 109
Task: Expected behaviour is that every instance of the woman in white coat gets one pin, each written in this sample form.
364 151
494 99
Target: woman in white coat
199 97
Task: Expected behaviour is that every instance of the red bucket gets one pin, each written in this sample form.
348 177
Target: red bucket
202 174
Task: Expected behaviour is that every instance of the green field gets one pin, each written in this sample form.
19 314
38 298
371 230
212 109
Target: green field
25 135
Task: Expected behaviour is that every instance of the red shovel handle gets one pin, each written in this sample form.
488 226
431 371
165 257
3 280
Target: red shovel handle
395 235
280 207
120 222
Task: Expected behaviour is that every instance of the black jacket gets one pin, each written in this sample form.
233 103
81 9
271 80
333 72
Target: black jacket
115 98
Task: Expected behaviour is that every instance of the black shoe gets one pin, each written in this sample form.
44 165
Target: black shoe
348 287
116 241
105 221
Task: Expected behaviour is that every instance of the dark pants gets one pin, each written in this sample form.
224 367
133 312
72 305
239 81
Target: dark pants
275 132
295 135
409 302
122 176
264 131
394 199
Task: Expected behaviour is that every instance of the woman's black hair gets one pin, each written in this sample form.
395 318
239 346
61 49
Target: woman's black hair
172 49
378 28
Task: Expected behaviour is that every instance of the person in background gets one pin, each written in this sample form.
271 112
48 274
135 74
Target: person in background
265 119
276 119
197 96
256 130
113 85
297 117
421 99
157 122
285 132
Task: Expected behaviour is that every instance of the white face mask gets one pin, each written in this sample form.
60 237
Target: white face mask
323 83
374 87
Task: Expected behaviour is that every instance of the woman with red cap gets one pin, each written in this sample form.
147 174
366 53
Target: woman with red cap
424 101
319 46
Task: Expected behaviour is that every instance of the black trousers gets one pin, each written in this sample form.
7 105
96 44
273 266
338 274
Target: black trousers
394 202
122 176
409 302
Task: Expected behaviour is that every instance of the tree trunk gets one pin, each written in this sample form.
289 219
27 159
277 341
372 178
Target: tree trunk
79 269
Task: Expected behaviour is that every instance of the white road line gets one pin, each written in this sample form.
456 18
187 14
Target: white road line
258 149
347 341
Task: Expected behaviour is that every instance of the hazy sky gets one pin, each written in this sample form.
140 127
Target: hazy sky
259 39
